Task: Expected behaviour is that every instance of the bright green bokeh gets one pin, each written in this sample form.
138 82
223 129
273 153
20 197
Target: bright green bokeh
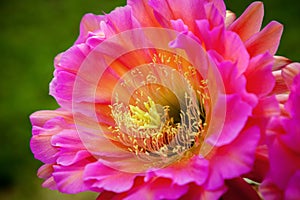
32 33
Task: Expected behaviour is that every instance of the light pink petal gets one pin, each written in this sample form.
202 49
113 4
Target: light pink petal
98 176
45 172
89 23
69 179
233 160
119 20
289 72
230 17
266 40
249 22
40 142
67 140
72 59
42 149
280 62
260 80
179 25
240 189
195 170
39 118
61 87
293 189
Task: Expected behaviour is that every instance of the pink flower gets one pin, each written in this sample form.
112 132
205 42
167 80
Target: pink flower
160 100
283 180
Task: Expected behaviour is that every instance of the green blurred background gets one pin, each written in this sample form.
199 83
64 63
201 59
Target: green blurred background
32 33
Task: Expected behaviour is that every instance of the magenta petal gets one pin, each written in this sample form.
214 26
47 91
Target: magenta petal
282 160
292 137
270 191
89 23
293 187
196 192
237 113
98 176
225 43
196 170
158 188
69 179
233 160
292 105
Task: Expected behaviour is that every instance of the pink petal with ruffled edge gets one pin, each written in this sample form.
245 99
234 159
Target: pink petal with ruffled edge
227 44
158 188
233 160
100 177
90 23
119 20
44 128
69 179
195 170
236 112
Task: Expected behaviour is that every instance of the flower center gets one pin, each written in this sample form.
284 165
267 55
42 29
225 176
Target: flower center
160 123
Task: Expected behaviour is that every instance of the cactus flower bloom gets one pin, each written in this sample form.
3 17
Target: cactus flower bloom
160 100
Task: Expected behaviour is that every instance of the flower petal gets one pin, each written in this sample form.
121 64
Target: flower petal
195 170
232 160
260 80
98 177
266 40
249 22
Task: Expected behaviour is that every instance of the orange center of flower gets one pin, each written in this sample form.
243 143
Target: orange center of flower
163 119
